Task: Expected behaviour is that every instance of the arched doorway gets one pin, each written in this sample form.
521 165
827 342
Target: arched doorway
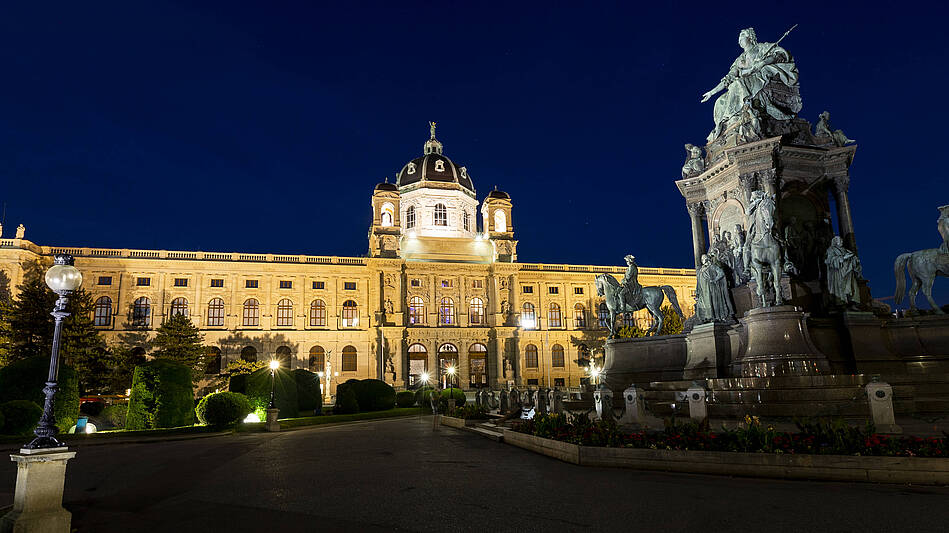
283 357
418 364
478 366
317 359
249 354
448 361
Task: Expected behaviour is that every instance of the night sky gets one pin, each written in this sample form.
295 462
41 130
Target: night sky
263 126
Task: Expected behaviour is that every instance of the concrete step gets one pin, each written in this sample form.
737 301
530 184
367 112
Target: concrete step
485 432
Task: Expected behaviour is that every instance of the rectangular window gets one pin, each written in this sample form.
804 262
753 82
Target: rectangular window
143 282
319 285
217 282
416 283
250 284
181 282
578 290
533 382
477 284
553 290
349 285
559 382
286 284
446 283
527 289
105 280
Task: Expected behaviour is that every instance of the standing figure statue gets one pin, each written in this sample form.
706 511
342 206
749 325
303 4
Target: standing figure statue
843 271
823 129
694 162
713 299
748 81
942 224
20 231
762 248
923 266
630 296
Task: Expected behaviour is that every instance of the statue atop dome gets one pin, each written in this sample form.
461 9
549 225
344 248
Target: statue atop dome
431 125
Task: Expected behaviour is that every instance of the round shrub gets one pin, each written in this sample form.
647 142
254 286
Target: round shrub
346 402
162 396
93 408
114 415
457 394
285 396
405 398
25 379
20 416
223 408
422 395
309 392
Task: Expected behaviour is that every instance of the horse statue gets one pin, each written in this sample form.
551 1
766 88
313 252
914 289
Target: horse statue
762 248
651 299
923 266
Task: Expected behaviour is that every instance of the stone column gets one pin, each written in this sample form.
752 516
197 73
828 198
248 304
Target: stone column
841 186
698 235
38 499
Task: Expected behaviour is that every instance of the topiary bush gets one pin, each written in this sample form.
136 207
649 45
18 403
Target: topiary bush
223 408
162 396
405 398
238 383
373 394
422 395
346 402
114 415
286 400
309 392
457 394
93 408
20 416
25 379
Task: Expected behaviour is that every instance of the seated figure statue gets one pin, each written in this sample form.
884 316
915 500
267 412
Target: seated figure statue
823 129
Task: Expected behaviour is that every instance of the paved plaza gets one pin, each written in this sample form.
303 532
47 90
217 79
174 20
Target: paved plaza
399 474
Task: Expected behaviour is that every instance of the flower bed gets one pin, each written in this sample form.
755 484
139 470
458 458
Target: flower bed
469 412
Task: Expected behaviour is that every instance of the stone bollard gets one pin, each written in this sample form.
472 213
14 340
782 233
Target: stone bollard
556 402
634 413
603 400
698 409
38 497
880 397
540 402
515 399
505 401
272 423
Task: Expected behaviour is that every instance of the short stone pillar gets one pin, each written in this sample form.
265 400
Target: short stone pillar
540 401
505 401
272 423
635 412
515 399
603 400
556 402
880 397
698 409
38 501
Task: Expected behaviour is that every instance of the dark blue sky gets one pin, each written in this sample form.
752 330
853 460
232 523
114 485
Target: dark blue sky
263 126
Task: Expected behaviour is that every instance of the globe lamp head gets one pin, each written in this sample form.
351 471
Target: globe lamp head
63 276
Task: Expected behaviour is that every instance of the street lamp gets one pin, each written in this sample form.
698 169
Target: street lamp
274 365
451 382
64 279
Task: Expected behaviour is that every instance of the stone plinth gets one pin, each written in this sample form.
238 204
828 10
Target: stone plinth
643 360
38 501
778 344
272 424
710 349
880 397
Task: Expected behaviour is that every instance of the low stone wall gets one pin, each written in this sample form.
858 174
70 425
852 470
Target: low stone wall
917 470
454 422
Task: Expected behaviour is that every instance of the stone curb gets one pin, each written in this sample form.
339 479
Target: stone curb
916 470
454 422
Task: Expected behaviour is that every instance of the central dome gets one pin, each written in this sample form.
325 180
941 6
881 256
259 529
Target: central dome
434 167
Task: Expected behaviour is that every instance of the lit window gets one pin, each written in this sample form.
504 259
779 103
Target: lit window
553 290
319 285
349 359
416 283
350 314
388 214
285 312
142 312
467 221
179 306
476 311
530 356
554 316
102 315
477 284
318 313
143 282
527 289
446 312
105 280
410 217
578 290
286 284
441 215
217 282
580 316
528 316
439 165
251 313
349 285
181 282
556 356
560 382
416 310
500 221
250 284
216 312
603 314
447 283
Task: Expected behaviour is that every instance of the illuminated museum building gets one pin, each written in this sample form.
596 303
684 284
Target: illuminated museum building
434 290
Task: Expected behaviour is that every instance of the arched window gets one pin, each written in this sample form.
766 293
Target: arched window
179 306
102 315
467 221
603 314
448 358
285 312
441 215
500 221
318 313
528 316
530 356
416 310
216 312
410 217
213 362
418 363
478 365
580 316
251 312
388 214
556 356
283 357
350 314
142 312
317 359
446 312
349 359
249 354
554 317
476 312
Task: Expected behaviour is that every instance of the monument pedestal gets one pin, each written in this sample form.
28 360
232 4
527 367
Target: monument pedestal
272 424
709 351
38 501
778 344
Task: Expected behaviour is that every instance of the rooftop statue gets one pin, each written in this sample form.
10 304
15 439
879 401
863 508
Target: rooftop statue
923 266
823 129
749 80
694 162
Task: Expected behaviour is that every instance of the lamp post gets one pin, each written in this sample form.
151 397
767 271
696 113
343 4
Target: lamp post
274 365
451 383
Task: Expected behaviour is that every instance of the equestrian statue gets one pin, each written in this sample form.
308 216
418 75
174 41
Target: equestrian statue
629 296
923 266
762 248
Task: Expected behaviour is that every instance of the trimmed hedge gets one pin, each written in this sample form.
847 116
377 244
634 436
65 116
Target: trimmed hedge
162 396
223 408
346 402
115 415
309 392
21 416
285 398
405 398
457 394
372 394
25 379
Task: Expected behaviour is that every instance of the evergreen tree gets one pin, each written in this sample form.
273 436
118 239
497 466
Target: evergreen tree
82 347
6 333
30 319
179 340
672 324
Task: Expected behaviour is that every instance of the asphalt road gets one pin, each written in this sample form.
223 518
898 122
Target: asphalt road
401 475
